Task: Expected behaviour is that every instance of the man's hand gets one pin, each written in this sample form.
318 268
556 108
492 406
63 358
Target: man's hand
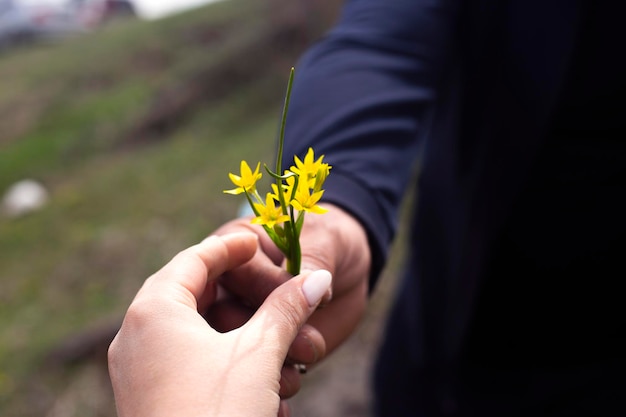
334 241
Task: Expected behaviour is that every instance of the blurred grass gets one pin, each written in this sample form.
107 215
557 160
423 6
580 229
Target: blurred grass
125 198
71 102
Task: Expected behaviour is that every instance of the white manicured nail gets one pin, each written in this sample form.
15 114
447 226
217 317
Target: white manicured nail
315 286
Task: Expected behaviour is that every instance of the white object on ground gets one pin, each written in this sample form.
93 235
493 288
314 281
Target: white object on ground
23 197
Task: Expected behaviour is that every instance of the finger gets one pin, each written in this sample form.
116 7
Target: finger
337 242
308 347
227 314
253 281
208 297
318 241
283 410
320 245
290 381
287 308
194 267
341 317
265 243
240 248
244 281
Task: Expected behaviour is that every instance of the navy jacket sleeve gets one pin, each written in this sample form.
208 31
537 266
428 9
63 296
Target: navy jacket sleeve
362 97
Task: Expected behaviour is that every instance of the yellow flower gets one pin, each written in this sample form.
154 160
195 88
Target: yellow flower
320 177
247 181
269 213
308 168
305 201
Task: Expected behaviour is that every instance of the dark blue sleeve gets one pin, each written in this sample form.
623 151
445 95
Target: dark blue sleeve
362 96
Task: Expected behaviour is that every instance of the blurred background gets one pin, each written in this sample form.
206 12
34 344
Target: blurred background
119 121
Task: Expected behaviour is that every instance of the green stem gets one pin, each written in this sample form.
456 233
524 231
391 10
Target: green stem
291 233
283 123
251 203
295 261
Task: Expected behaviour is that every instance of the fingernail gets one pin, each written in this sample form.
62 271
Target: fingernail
209 238
231 236
239 235
315 286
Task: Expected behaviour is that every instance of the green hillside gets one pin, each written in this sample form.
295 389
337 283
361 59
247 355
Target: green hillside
133 130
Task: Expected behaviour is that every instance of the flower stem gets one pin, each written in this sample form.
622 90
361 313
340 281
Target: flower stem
292 233
283 123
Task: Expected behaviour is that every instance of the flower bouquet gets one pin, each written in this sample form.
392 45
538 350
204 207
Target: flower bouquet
294 192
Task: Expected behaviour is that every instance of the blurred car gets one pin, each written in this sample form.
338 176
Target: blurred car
33 20
93 13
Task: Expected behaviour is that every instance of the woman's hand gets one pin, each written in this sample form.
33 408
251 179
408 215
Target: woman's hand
166 360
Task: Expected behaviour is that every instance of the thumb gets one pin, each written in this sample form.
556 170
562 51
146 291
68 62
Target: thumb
287 308
318 248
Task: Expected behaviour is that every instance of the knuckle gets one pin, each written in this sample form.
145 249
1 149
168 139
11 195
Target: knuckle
112 354
290 313
290 316
138 314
